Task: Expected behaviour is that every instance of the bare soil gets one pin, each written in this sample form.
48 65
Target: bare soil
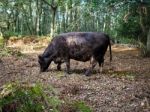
123 86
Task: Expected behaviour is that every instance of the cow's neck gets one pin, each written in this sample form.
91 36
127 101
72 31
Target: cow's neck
48 52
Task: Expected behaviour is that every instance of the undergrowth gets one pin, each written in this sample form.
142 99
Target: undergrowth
5 51
15 97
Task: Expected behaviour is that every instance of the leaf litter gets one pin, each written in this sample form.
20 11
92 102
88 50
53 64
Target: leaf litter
123 86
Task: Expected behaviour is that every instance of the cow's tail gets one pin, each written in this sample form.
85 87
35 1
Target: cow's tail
110 49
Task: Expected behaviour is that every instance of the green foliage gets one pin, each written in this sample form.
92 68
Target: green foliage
8 34
27 98
75 106
120 19
129 28
81 106
126 40
34 98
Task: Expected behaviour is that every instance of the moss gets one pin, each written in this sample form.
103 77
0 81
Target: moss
124 74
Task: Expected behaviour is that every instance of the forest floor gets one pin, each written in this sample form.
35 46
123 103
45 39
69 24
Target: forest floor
123 86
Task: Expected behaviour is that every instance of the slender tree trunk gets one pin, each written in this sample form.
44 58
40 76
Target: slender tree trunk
66 16
75 19
31 21
38 16
104 24
64 23
54 10
21 25
148 44
53 23
70 12
143 36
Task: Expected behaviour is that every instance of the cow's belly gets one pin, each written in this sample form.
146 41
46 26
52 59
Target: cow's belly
81 58
80 54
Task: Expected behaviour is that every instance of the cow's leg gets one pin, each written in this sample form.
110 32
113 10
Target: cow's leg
101 67
68 65
59 66
93 63
101 63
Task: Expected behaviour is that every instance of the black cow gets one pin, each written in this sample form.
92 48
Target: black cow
80 46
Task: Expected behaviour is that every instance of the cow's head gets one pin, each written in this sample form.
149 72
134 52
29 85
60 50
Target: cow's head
44 63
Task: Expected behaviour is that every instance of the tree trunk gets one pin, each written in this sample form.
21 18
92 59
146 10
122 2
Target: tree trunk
38 16
142 39
148 44
54 10
64 23
53 23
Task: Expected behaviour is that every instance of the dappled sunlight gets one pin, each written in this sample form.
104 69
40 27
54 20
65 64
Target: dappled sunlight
117 49
37 45
116 79
125 49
